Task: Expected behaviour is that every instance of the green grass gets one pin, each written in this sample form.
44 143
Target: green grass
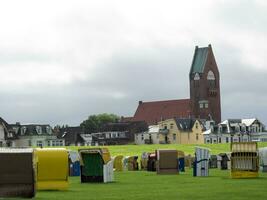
187 148
150 186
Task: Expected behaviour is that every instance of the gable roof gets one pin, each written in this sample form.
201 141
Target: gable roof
71 135
185 124
3 122
155 111
199 60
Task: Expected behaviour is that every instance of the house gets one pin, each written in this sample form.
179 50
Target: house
27 135
3 132
204 101
118 133
148 137
181 131
236 130
75 136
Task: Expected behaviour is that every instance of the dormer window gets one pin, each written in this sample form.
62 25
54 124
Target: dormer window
220 129
237 128
48 130
243 128
23 130
39 130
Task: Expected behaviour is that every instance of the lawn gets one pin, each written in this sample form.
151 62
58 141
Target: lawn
148 185
127 150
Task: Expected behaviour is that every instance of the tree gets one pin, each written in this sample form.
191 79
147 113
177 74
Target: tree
94 122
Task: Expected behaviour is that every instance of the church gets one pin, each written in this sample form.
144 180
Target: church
204 102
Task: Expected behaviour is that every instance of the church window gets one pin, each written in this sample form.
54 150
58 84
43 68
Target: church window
210 75
196 77
211 79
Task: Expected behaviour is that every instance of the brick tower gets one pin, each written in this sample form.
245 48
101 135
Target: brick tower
204 80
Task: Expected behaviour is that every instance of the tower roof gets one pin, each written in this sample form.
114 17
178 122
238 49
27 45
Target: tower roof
199 59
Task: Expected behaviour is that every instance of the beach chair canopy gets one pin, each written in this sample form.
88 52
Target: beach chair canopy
53 168
17 172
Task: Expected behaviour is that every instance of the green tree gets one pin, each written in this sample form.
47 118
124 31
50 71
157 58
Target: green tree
94 122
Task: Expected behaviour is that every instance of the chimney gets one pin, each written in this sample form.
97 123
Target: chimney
140 102
210 46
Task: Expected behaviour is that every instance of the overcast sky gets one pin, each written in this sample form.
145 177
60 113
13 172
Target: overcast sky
61 61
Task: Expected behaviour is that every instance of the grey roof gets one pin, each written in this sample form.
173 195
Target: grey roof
71 134
185 124
199 60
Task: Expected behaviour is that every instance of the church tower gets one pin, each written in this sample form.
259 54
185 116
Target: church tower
204 77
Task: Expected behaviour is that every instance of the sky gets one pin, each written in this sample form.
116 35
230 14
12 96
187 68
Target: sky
61 61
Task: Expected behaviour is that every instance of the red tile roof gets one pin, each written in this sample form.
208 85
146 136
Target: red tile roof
155 111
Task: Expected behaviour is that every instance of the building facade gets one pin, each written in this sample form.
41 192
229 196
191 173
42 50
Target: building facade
148 137
236 130
34 135
118 133
181 131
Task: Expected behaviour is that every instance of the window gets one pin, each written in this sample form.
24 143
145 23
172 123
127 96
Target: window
197 136
48 130
220 140
201 105
23 130
142 137
171 126
237 128
196 77
196 80
211 79
206 105
165 126
227 140
220 129
29 143
174 136
39 130
196 125
39 143
243 128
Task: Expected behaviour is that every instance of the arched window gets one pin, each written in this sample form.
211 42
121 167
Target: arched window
211 79
196 77
196 80
211 75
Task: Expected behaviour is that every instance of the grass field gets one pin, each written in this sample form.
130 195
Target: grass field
149 186
127 150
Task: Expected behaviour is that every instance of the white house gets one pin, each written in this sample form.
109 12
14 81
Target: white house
236 130
39 135
148 137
